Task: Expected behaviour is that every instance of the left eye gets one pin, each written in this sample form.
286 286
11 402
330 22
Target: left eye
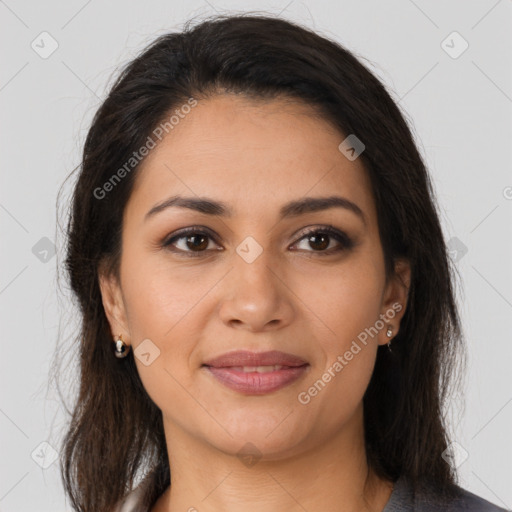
319 239
195 241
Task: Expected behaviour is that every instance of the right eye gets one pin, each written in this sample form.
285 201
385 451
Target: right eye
190 242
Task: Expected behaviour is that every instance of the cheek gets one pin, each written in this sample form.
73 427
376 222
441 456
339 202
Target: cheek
165 318
344 302
348 303
157 297
344 372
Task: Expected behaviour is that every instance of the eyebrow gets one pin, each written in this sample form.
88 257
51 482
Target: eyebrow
289 210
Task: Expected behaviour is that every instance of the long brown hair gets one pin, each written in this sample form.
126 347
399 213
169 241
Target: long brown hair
115 432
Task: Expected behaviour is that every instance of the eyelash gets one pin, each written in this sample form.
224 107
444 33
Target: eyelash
341 237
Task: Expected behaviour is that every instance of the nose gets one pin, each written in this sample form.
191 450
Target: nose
255 295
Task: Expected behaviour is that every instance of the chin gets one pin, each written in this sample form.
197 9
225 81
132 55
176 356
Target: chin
268 438
252 449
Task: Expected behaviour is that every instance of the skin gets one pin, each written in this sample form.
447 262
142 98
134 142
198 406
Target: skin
256 156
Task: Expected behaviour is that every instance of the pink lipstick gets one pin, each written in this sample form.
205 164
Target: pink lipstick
256 373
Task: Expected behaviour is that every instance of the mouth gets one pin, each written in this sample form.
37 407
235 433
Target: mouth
246 358
258 369
253 373
250 380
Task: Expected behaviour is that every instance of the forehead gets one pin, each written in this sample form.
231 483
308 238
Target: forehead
254 155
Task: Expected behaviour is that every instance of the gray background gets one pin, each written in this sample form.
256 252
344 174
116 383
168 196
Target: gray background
459 107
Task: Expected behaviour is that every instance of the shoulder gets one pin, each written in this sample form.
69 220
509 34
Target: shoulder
429 499
471 502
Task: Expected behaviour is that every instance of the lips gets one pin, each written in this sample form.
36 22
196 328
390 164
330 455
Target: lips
246 358
256 373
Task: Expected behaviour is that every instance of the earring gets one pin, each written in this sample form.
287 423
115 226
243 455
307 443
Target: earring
122 348
389 333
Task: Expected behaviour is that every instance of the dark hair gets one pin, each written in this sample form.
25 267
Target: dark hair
116 431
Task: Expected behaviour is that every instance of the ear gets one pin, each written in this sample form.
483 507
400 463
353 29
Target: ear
113 303
395 299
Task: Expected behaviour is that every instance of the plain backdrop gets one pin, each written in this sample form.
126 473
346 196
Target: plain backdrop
448 65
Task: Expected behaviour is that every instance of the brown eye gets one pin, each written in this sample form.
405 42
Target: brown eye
320 239
189 242
196 242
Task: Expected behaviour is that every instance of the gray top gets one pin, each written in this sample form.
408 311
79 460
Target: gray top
402 499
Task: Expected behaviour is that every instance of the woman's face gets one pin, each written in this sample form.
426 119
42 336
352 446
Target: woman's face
249 278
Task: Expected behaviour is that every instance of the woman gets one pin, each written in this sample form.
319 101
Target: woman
255 229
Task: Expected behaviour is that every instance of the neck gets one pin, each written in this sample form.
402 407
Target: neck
331 475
